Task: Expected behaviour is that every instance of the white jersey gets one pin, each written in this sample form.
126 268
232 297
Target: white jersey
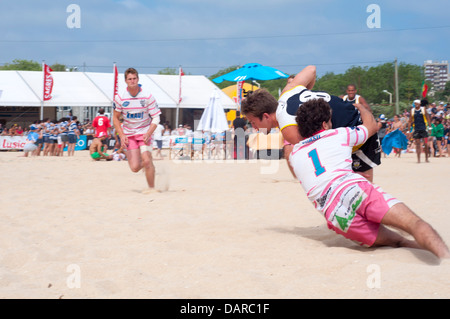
287 110
137 111
323 163
343 113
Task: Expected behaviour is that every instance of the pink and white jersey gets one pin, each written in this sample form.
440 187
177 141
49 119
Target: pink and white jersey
317 165
137 111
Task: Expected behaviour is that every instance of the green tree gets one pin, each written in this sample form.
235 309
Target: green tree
22 65
221 72
58 67
168 71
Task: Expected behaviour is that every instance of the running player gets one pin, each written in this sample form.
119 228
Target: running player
263 111
352 206
140 114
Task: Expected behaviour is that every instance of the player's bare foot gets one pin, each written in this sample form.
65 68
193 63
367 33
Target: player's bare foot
150 191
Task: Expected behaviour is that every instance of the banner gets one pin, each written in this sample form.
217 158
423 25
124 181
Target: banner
116 81
181 74
18 143
12 142
48 82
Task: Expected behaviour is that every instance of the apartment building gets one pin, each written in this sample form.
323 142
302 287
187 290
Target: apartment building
437 73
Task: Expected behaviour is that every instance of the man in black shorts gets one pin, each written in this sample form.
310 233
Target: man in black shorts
419 120
263 111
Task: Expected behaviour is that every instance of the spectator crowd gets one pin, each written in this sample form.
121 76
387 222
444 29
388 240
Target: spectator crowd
438 130
53 136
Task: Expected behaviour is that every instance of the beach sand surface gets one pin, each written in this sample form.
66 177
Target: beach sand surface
74 228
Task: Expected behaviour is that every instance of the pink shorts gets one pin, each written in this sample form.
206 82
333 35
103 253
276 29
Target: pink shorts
136 141
356 212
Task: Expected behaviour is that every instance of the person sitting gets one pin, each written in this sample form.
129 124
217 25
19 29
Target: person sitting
97 149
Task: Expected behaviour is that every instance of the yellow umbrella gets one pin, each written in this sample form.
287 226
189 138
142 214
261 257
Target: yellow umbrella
231 91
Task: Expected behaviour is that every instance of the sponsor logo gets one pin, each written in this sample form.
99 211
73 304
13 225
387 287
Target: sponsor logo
135 115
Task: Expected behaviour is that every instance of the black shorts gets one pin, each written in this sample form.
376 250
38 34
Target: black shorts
368 155
72 138
418 134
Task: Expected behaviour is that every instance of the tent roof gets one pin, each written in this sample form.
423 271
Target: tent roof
24 88
14 91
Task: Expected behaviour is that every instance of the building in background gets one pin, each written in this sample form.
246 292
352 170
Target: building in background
437 73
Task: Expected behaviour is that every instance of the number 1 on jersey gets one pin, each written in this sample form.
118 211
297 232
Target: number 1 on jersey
316 162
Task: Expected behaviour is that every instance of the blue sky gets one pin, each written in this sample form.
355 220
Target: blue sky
204 36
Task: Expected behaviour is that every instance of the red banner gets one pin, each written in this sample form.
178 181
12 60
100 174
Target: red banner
179 96
116 81
48 82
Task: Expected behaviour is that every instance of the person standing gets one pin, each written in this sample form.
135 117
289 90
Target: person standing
419 121
101 123
353 97
73 135
382 128
158 136
437 132
240 137
141 115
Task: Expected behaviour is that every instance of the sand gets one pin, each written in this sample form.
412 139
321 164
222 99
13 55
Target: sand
75 228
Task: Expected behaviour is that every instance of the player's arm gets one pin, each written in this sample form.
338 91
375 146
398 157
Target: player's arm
410 122
367 118
291 134
428 118
306 77
364 103
118 127
152 128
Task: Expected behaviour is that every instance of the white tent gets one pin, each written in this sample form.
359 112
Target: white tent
15 91
24 88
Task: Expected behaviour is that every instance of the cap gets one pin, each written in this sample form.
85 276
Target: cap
417 101
382 117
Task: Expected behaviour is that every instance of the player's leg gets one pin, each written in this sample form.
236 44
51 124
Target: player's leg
134 160
427 151
147 163
401 217
418 148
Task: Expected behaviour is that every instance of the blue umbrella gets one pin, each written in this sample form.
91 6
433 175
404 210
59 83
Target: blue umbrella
252 71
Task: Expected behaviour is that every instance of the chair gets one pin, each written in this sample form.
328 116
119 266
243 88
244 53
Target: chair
197 148
180 148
